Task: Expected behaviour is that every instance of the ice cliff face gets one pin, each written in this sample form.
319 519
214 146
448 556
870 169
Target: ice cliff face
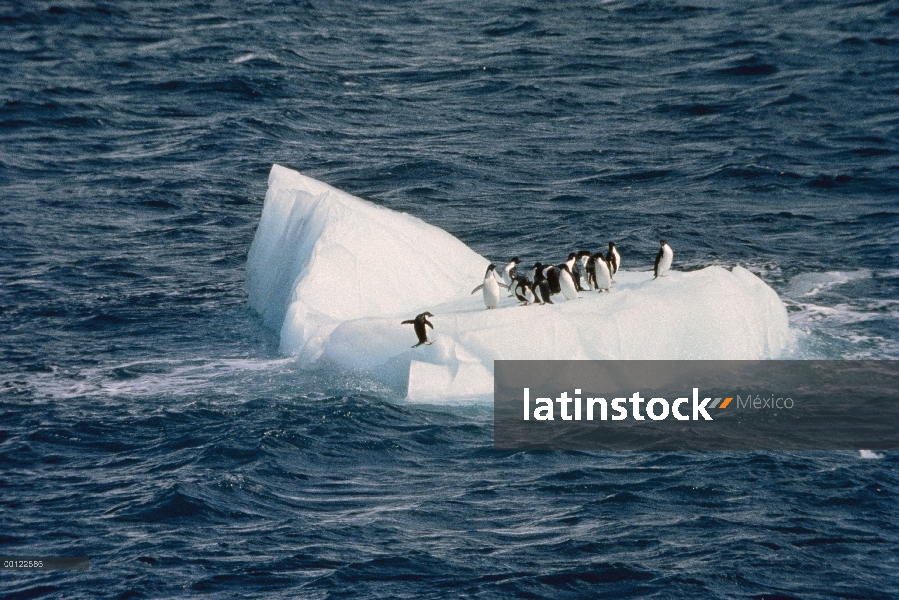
336 275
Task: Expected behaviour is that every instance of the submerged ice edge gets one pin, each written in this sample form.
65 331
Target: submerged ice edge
337 275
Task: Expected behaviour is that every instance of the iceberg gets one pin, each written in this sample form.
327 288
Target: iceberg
336 275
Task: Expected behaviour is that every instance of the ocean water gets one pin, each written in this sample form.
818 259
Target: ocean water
148 421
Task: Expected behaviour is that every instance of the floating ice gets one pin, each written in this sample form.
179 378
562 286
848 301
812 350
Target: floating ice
336 275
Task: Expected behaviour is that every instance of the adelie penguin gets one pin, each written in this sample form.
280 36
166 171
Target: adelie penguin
584 257
566 282
418 323
552 278
602 276
663 259
572 270
541 286
591 270
511 272
490 287
614 260
521 288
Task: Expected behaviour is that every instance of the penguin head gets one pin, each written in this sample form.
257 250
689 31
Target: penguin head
583 253
426 314
663 243
564 267
515 260
611 245
490 267
571 255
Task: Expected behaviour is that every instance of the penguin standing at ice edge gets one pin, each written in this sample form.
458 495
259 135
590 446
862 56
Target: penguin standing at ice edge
614 260
566 282
572 270
602 273
418 324
663 259
511 272
490 287
541 286
584 272
552 278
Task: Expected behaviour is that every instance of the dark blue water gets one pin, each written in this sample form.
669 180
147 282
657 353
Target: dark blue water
148 421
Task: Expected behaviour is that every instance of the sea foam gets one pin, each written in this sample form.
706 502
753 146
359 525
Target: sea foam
336 274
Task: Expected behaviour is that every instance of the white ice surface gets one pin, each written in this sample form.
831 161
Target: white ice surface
336 275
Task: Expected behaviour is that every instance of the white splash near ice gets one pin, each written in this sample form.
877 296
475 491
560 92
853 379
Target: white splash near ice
336 275
869 454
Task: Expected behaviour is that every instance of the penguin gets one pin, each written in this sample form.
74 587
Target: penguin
490 287
584 257
572 270
601 273
419 323
663 259
614 260
521 287
591 271
552 278
541 285
566 282
510 272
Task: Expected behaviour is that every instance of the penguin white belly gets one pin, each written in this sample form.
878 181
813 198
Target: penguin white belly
567 285
667 257
603 277
491 292
617 260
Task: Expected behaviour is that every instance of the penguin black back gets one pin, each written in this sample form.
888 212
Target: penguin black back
591 269
612 259
541 286
521 286
419 323
552 277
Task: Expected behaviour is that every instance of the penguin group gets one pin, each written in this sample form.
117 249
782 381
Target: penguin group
582 272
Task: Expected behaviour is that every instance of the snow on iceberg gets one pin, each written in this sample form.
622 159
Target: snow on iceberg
336 275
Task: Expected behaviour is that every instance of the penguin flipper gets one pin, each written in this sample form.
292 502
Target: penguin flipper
502 285
477 289
428 323
409 322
